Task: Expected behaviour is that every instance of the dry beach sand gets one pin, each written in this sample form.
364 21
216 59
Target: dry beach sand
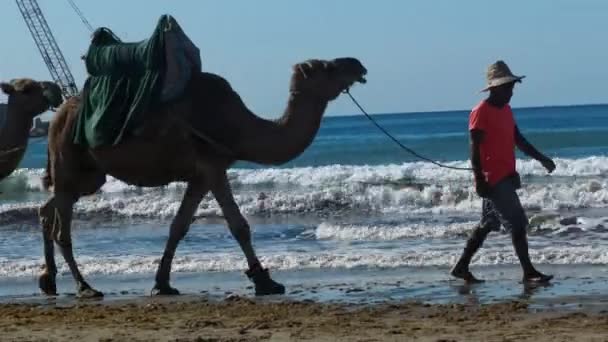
196 318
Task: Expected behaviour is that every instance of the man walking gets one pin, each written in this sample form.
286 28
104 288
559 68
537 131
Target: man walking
494 136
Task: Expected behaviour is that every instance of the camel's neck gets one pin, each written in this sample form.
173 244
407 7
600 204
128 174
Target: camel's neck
15 128
277 142
14 134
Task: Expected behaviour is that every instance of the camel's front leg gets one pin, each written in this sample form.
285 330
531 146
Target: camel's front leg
46 281
264 285
179 227
61 220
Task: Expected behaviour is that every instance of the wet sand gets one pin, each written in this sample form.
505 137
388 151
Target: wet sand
350 305
195 318
354 286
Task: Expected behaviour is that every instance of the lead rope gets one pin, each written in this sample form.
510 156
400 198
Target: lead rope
347 91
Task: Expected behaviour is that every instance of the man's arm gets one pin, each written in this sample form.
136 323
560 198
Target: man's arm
526 147
476 139
532 152
481 185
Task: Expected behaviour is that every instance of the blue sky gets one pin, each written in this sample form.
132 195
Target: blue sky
422 55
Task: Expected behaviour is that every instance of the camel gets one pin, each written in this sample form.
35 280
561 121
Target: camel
194 140
27 100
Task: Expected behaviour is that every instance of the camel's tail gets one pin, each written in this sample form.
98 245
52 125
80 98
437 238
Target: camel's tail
47 179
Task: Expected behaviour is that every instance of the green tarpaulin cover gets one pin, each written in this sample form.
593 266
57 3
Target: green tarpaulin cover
125 79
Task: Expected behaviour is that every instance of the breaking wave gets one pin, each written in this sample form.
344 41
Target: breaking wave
332 190
223 262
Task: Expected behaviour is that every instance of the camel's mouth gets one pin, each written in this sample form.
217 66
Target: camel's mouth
52 93
360 78
353 67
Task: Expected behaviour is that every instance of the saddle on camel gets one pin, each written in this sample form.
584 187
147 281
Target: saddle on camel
128 80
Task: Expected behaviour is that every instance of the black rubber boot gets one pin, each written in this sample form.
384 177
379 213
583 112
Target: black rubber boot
264 285
461 269
531 275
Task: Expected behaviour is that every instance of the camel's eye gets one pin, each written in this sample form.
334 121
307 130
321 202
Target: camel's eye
28 89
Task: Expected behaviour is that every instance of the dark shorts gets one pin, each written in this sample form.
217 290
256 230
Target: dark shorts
503 207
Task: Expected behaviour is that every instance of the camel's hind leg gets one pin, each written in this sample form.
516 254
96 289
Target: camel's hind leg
65 205
56 219
239 227
179 227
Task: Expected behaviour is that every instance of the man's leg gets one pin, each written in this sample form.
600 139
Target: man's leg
489 222
513 218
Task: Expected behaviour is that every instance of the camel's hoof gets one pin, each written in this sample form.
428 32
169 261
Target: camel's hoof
88 292
164 290
47 284
264 285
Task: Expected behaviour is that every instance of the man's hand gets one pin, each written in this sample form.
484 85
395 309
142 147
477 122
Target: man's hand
548 164
482 188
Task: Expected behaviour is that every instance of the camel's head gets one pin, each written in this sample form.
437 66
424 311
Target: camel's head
327 78
32 96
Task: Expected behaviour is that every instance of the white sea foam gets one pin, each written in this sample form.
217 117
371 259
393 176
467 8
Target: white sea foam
389 232
412 187
337 174
320 176
543 225
222 262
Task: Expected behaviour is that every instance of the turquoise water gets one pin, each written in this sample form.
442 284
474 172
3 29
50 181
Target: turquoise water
352 201
568 132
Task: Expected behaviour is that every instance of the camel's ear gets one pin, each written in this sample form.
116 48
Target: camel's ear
301 68
7 88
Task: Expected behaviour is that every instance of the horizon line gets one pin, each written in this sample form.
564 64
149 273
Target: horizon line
468 110
447 111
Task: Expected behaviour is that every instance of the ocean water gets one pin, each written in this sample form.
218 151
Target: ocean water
353 202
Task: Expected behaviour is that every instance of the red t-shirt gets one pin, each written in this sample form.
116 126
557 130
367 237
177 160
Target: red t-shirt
497 150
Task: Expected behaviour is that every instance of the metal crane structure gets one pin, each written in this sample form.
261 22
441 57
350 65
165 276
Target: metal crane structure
45 41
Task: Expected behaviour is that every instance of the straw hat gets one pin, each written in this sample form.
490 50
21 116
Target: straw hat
499 74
